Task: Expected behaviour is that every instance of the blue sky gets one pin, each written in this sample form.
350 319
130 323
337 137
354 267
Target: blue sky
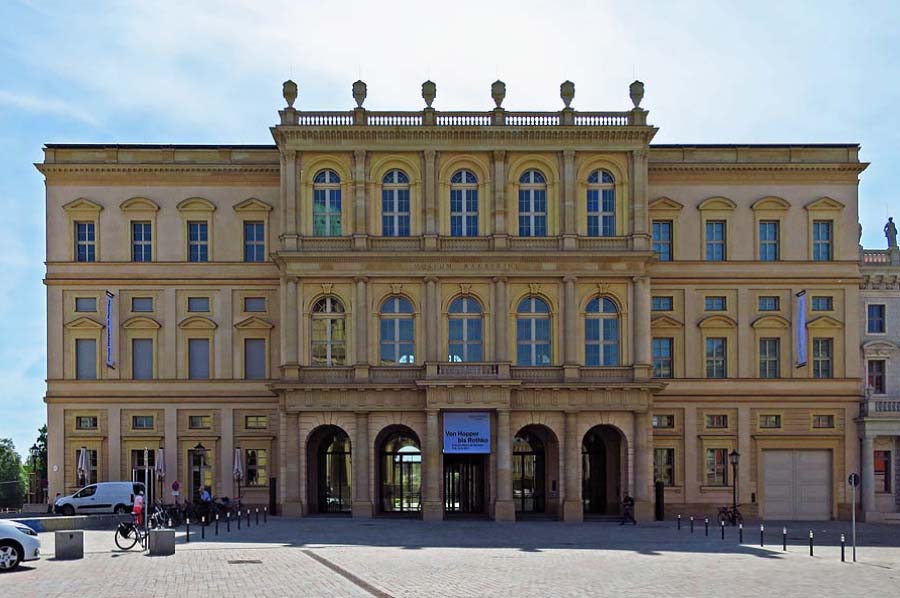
202 72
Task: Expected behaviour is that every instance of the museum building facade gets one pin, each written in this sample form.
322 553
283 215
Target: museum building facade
498 313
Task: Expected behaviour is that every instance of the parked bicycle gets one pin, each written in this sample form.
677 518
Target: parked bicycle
128 533
730 515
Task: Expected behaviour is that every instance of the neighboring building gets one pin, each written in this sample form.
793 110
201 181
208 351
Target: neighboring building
879 422
459 312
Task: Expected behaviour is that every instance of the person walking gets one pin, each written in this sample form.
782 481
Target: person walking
137 511
628 510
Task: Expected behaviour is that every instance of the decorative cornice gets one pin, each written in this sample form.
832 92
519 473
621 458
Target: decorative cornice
844 171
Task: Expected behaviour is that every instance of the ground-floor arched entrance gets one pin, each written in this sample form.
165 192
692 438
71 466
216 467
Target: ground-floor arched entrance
399 471
534 480
602 465
330 472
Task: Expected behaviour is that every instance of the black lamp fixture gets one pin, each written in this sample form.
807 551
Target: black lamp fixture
735 458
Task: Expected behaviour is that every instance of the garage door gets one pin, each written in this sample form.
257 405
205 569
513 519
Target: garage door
797 484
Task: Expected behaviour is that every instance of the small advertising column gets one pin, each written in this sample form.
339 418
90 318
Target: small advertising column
467 439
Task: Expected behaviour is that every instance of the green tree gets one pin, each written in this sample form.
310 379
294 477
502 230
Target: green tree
11 474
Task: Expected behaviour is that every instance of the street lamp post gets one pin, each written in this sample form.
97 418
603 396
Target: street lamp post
34 481
734 457
200 451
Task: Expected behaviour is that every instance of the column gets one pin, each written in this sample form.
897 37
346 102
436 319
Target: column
432 509
289 241
289 475
570 321
642 333
56 450
432 318
643 466
114 446
501 317
504 508
360 228
868 475
362 502
572 506
362 325
569 228
228 485
498 211
431 229
290 366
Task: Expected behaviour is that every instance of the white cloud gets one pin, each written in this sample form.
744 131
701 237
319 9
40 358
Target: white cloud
40 105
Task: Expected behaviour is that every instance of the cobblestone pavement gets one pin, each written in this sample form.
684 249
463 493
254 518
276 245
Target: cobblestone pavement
399 557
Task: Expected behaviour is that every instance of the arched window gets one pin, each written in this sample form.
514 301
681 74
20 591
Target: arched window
463 204
601 204
601 333
532 204
465 338
395 204
327 204
397 332
329 337
533 332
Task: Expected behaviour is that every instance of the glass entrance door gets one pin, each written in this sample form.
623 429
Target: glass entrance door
528 473
463 484
334 474
401 475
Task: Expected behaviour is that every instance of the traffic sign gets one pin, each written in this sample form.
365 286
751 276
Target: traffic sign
853 479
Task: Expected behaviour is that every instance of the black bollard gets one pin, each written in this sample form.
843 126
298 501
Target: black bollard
706 526
784 539
203 527
679 523
762 529
810 542
740 533
265 514
239 519
257 515
228 521
217 524
248 516
842 548
692 524
723 529
187 523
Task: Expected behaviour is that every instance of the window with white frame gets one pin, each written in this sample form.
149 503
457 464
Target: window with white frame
601 333
254 241
664 466
823 241
875 376
662 240
716 353
397 339
395 204
466 339
141 242
85 242
717 467
769 357
715 241
257 467
198 241
601 204
663 357
532 204
875 318
329 338
463 204
327 204
533 332
769 249
823 351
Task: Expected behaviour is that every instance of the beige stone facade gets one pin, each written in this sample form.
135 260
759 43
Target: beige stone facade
604 300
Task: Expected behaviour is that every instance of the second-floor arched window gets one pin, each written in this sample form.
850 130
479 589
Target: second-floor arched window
533 332
327 204
463 204
601 333
465 339
532 204
397 339
395 204
329 333
601 204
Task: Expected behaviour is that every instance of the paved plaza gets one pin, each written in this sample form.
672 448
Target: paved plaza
401 557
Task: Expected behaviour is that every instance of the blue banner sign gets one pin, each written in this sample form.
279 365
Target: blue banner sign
467 432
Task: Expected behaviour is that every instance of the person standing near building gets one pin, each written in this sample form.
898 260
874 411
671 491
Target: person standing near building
138 509
628 510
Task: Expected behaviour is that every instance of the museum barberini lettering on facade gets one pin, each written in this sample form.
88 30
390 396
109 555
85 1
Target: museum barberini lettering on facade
444 313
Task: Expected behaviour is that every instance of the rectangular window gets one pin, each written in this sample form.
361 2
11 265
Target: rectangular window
662 240
86 422
717 467
770 422
769 303
254 304
464 212
664 466
200 422
875 319
823 248
662 303
85 359
716 364
198 241
255 358
769 250
533 212
142 358
664 422
769 357
875 376
820 303
663 360
142 304
141 250
883 471
88 304
821 422
717 421
256 422
822 358
199 304
141 422
198 359
715 241
395 212
257 467
85 242
254 242
715 303
327 212
90 476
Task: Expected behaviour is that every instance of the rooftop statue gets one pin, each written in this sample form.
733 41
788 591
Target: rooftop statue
890 231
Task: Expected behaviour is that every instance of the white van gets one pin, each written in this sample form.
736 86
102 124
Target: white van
103 497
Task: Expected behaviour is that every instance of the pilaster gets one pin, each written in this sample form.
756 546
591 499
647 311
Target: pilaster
569 229
289 197
431 231
362 502
361 209
432 317
573 509
504 508
432 508
290 367
498 209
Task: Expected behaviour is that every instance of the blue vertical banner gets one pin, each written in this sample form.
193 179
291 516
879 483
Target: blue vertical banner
800 341
111 329
467 433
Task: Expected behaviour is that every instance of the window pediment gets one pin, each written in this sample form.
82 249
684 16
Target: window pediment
879 348
665 204
770 203
824 322
197 323
252 205
196 204
717 321
83 204
253 323
770 321
665 322
141 323
717 203
824 203
84 323
139 204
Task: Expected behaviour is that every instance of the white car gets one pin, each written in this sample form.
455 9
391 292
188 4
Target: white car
103 497
18 543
